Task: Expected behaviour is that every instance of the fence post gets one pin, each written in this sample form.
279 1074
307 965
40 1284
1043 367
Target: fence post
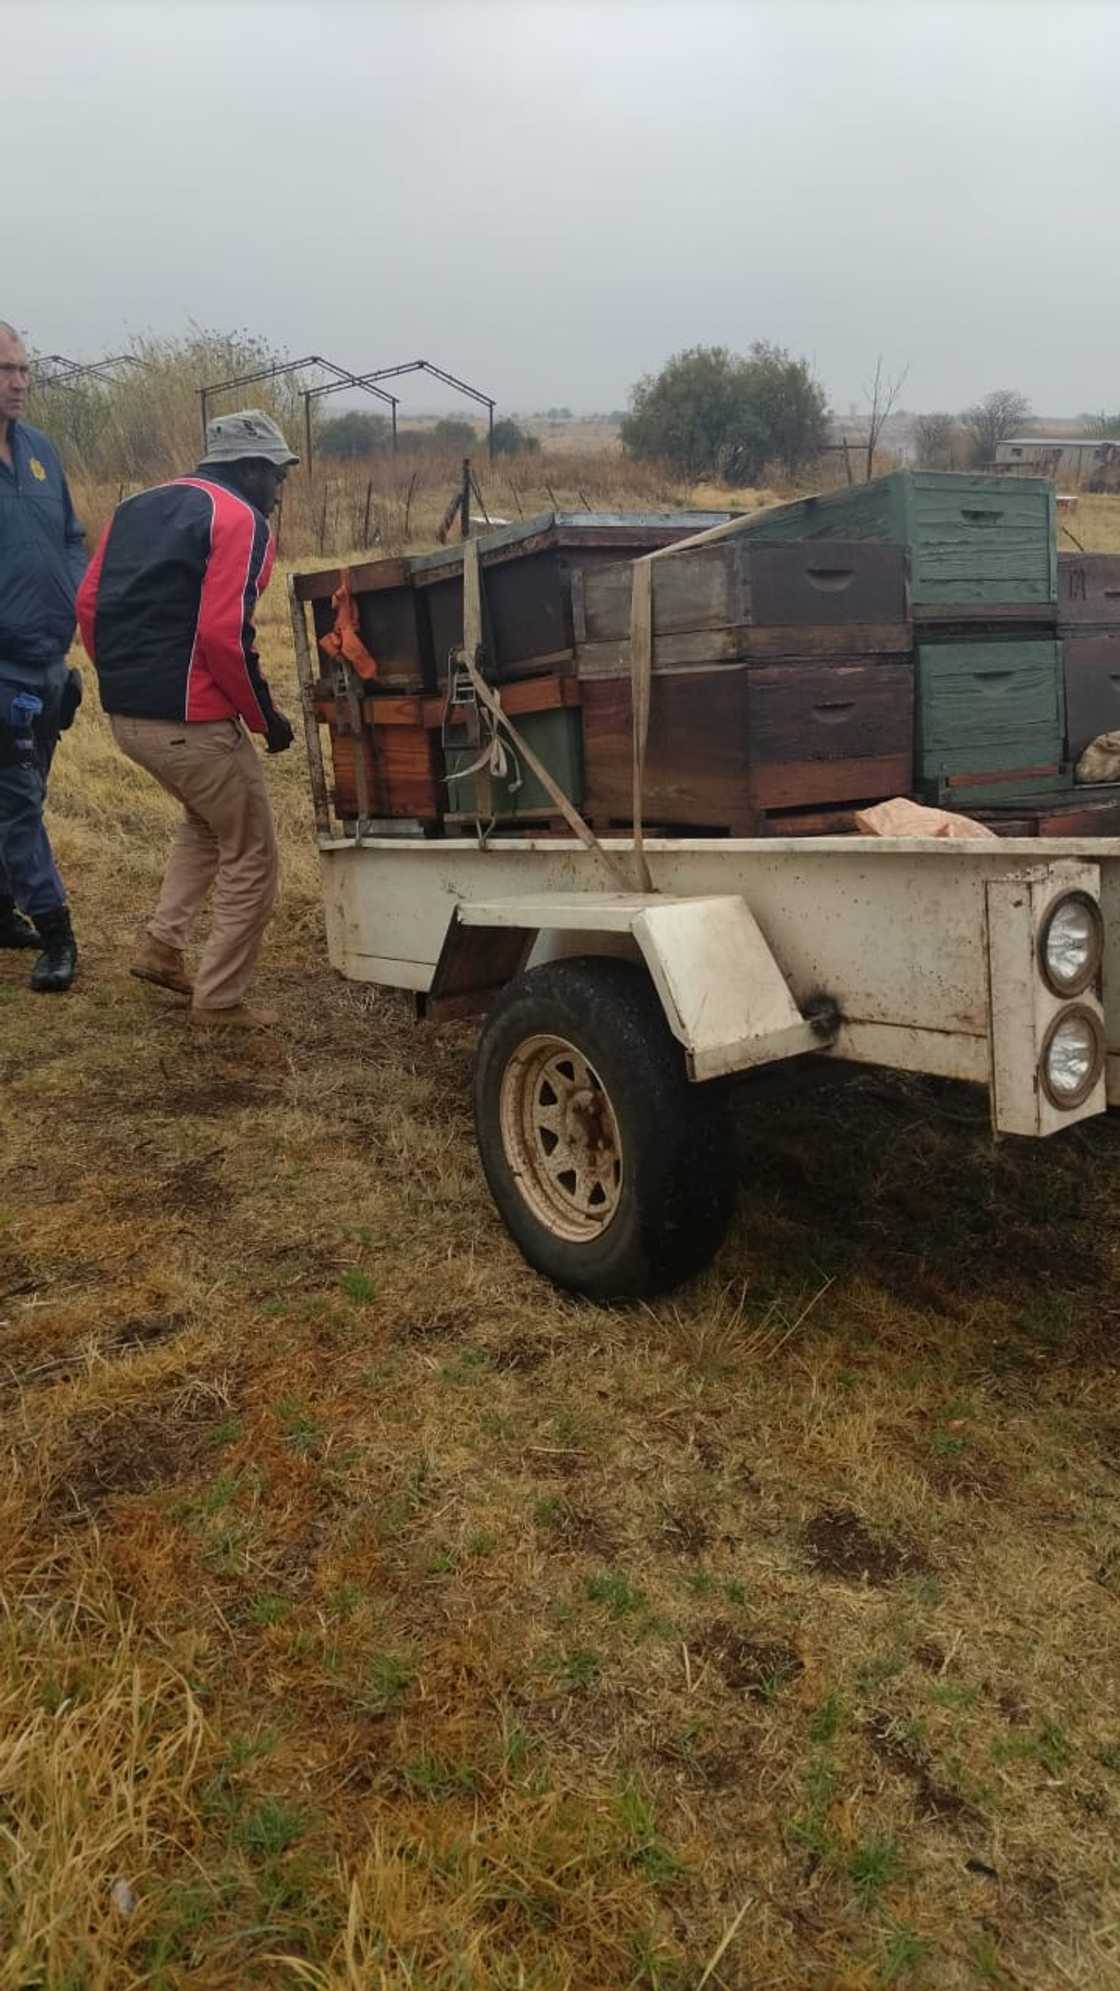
465 501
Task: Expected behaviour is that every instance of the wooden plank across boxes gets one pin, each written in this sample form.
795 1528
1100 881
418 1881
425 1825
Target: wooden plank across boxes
1089 625
782 679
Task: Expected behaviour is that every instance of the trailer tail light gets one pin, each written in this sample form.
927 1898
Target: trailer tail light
1046 946
1071 944
1072 1056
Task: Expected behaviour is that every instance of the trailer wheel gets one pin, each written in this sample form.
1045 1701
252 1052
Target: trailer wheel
611 1170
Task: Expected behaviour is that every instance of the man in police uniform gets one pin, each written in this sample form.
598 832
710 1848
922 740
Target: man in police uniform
42 559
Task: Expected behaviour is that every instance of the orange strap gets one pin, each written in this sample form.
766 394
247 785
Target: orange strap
344 640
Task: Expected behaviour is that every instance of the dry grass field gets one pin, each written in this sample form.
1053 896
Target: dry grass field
373 1618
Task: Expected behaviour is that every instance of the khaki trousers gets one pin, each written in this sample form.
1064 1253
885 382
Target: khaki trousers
226 840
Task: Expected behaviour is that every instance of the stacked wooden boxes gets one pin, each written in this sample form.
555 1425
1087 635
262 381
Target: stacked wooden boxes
989 717
417 755
1089 627
527 572
377 723
781 682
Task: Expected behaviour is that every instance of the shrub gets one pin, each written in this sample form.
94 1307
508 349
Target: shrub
714 412
354 434
510 439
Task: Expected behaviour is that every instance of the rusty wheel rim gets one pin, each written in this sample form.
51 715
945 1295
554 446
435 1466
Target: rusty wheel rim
561 1138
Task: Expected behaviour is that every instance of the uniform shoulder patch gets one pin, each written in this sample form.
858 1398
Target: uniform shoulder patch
37 470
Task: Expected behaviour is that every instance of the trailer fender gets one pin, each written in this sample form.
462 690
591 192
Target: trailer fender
724 996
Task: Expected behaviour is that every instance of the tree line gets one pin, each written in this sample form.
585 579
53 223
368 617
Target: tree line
357 434
711 412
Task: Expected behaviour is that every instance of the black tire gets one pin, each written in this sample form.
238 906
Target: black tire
669 1176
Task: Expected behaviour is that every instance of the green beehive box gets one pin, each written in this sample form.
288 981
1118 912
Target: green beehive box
985 694
975 542
556 738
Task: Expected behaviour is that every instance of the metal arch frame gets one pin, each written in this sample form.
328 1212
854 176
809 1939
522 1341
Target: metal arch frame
449 379
338 387
69 371
343 377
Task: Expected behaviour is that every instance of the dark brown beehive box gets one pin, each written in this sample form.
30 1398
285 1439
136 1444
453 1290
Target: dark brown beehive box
1092 679
725 745
527 572
1089 589
729 597
392 619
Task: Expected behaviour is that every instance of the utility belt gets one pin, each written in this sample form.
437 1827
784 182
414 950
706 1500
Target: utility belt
22 718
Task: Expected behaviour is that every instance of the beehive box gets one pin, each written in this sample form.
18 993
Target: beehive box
730 598
725 745
1074 811
989 714
392 619
979 543
527 572
399 748
979 693
1092 686
546 714
1088 590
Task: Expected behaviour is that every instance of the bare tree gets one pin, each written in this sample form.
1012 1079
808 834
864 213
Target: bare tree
993 419
937 442
883 393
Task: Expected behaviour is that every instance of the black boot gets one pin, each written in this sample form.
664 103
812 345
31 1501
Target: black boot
15 931
58 963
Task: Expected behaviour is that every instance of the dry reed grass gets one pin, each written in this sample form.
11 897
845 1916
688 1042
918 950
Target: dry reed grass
380 1618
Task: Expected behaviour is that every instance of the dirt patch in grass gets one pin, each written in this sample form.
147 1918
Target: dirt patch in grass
127 1452
571 1526
521 1355
685 1530
901 1754
840 1544
757 1667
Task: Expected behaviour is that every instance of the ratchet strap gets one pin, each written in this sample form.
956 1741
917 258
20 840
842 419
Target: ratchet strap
344 639
472 629
641 674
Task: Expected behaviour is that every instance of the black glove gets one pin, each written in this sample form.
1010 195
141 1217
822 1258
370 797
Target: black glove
70 700
280 734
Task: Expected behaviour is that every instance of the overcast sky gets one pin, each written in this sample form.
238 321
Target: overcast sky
549 197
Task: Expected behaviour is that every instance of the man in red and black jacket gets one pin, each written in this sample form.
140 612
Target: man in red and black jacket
166 614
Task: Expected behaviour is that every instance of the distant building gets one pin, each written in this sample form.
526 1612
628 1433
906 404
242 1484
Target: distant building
1083 459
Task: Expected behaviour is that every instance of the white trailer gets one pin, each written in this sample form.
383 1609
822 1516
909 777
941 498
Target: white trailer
612 1019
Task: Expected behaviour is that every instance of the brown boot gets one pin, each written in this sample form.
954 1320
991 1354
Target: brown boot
238 1017
163 965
